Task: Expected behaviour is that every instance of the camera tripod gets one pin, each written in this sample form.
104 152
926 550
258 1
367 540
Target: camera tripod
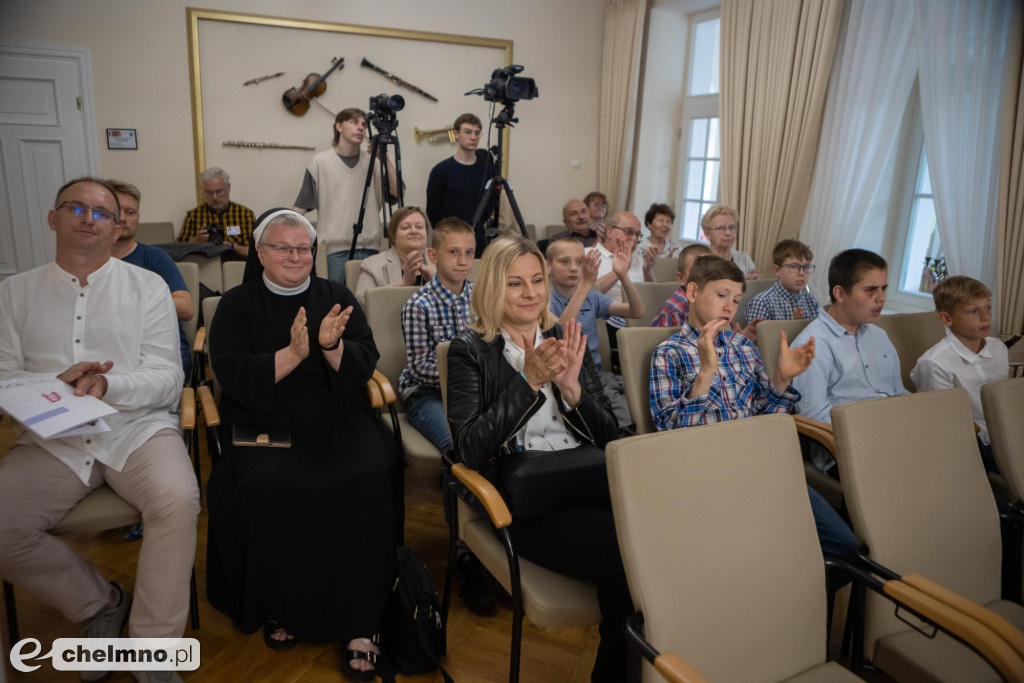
384 137
487 231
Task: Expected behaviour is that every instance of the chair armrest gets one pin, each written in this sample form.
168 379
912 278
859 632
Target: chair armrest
817 430
485 492
674 668
210 412
969 630
188 408
200 340
374 394
671 666
1007 631
386 389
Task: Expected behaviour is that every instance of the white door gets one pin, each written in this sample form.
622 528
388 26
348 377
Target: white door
44 141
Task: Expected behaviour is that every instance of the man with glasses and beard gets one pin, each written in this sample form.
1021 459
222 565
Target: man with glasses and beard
108 330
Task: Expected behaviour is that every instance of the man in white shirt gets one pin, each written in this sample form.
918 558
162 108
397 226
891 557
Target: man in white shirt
108 329
621 233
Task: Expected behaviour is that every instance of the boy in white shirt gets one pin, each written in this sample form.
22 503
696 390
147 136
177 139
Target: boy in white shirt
968 357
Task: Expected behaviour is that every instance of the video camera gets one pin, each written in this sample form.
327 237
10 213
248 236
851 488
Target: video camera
506 87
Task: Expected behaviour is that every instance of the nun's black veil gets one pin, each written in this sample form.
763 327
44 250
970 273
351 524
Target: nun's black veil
253 267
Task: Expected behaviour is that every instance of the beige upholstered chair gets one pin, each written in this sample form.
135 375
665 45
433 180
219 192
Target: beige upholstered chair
738 595
552 230
654 295
232 273
636 344
736 590
604 346
210 270
383 308
103 509
159 232
768 344
912 334
531 231
754 287
665 269
352 267
1003 403
548 598
919 499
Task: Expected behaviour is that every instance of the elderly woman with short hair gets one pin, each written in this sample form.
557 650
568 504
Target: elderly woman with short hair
301 536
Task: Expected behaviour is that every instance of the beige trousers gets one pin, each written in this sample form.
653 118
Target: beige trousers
37 490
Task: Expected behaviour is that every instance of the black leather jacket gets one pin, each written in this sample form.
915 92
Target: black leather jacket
489 401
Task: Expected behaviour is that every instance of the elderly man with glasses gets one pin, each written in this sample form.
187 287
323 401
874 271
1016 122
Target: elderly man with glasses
107 329
621 233
219 220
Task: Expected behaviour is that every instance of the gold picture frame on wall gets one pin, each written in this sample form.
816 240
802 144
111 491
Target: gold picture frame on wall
224 46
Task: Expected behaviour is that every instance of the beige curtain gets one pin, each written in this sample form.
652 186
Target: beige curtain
1010 214
620 74
776 61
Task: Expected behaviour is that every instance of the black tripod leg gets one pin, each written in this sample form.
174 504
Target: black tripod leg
515 209
358 227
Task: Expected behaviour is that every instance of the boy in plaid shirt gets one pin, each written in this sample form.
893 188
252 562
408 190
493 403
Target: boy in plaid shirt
787 299
435 314
706 373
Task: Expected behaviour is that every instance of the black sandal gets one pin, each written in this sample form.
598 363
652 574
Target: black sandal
272 627
371 657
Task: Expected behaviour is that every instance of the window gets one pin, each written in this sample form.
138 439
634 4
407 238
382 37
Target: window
923 262
700 164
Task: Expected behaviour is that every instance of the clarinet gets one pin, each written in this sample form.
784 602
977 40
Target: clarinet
396 80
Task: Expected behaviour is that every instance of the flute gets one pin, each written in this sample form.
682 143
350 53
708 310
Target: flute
396 80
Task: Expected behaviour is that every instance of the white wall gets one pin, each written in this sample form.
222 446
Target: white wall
140 76
661 111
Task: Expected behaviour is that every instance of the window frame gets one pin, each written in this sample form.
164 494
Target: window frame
694 107
906 192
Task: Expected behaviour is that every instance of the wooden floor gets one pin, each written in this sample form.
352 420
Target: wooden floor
478 647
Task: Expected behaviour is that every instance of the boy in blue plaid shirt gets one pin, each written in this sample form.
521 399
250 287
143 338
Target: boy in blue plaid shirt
787 299
435 314
706 373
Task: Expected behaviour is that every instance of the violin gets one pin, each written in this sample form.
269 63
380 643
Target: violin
296 100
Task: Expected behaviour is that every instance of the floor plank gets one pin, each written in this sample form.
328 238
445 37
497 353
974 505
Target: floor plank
478 646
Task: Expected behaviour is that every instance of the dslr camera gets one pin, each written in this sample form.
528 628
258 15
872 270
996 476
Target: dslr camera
216 234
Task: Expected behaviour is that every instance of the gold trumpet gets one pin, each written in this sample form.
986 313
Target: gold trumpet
436 135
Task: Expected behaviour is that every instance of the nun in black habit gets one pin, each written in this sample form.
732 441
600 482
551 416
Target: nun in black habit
301 539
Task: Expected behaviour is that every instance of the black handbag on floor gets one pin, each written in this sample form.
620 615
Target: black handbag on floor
534 483
414 638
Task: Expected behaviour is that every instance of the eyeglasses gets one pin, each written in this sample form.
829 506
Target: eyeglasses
629 232
724 228
285 250
799 267
80 210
